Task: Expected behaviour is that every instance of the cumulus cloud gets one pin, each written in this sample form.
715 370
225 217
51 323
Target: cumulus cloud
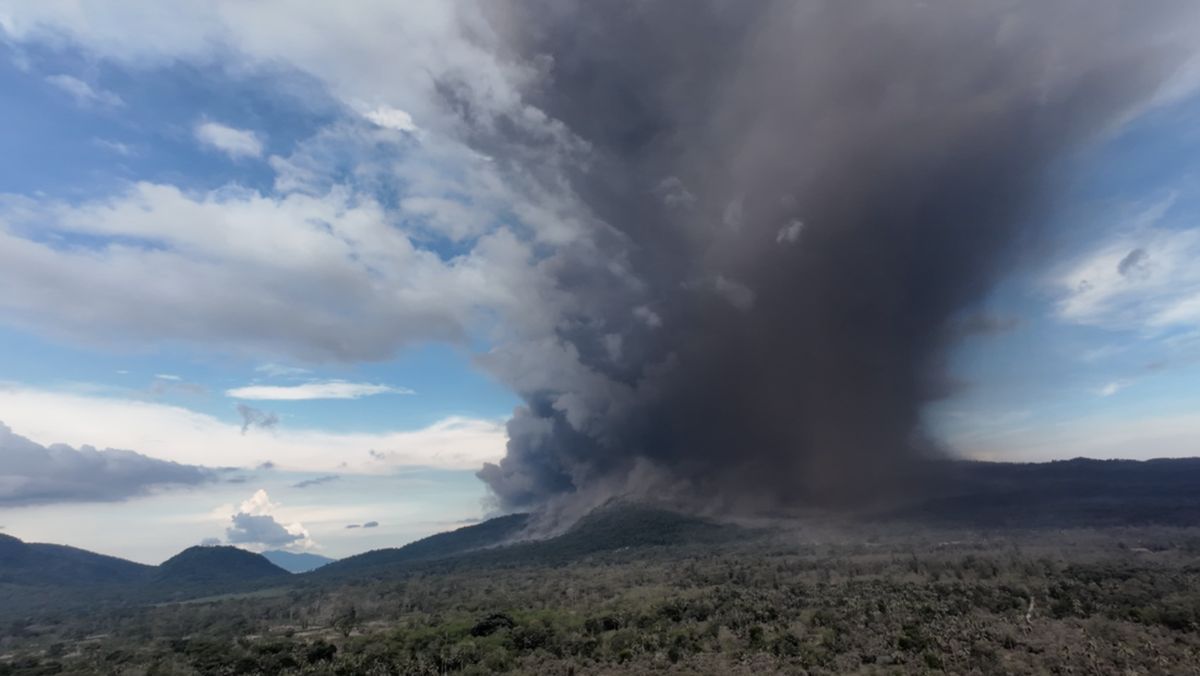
33 474
391 118
261 530
83 93
254 524
331 277
236 143
329 389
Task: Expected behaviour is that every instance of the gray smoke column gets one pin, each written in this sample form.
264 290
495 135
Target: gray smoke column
795 204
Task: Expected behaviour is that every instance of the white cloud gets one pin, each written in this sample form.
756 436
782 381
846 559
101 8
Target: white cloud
391 118
451 218
167 376
181 435
1113 387
320 272
83 93
1143 278
298 276
440 41
236 143
122 149
329 389
254 524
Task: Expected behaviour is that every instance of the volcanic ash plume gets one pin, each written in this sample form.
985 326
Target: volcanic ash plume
789 207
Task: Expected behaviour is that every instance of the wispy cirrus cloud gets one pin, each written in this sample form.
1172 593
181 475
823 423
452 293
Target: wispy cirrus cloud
280 370
84 93
254 524
328 389
1111 388
1143 278
175 433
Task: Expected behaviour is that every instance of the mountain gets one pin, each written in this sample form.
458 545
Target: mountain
216 566
296 563
44 578
490 533
1062 494
57 565
612 528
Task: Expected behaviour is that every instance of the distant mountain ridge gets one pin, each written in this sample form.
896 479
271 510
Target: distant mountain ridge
35 576
1073 493
36 563
490 533
615 527
293 562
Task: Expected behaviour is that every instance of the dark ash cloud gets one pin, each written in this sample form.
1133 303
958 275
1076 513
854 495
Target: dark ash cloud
317 481
983 324
34 474
805 211
1134 262
253 417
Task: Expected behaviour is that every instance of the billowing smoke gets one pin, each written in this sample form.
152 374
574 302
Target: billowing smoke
795 207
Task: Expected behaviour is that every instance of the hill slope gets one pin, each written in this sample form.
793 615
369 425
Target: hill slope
216 565
490 533
496 541
58 565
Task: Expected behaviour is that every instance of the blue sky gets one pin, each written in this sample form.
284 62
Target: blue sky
134 160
